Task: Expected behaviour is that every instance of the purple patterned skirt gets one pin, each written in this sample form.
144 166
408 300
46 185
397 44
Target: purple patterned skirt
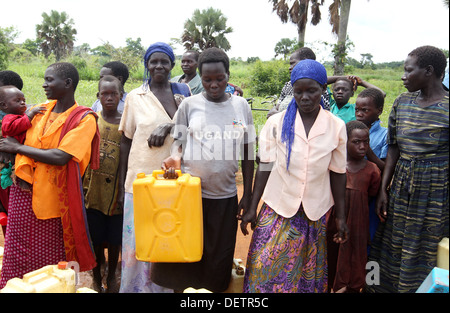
30 243
287 254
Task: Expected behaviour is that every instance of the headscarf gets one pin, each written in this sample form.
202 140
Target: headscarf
156 47
304 69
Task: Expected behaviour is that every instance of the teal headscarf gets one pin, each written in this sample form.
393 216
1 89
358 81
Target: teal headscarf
304 69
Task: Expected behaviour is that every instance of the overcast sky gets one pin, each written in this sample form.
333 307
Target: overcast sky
388 29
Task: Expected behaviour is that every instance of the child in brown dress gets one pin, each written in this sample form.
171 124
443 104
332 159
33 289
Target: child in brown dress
363 181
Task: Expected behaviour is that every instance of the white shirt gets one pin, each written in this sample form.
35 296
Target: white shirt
142 114
312 159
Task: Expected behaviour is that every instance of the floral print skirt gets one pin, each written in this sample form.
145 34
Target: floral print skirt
287 254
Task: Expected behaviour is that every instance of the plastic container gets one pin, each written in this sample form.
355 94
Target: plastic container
192 290
436 282
442 254
86 290
237 277
49 279
168 218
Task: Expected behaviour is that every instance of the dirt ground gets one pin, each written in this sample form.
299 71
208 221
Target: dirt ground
242 244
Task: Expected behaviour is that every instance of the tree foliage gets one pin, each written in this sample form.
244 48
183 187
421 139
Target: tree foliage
131 55
7 36
296 11
285 47
207 28
57 34
135 47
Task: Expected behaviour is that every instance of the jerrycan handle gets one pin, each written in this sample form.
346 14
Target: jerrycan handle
33 277
156 173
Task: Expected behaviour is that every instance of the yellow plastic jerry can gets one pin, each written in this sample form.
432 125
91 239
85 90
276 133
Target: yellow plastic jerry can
168 218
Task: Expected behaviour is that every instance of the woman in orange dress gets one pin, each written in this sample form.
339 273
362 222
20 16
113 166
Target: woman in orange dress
45 223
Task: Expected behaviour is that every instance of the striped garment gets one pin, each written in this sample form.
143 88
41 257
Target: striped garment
406 245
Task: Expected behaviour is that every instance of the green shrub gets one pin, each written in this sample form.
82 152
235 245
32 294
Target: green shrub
88 68
268 78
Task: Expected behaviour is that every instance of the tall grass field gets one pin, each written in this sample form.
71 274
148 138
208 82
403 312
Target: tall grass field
32 74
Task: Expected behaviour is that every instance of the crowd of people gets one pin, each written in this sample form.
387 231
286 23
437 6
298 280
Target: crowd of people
338 188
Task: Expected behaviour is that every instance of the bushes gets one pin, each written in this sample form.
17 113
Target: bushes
268 78
88 68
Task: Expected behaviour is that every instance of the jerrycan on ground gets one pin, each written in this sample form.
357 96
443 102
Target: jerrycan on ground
168 218
237 277
49 279
442 254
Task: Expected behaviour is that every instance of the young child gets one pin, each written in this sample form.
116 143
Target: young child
105 218
344 88
363 181
306 145
369 107
17 119
14 79
212 129
15 124
10 78
121 72
342 92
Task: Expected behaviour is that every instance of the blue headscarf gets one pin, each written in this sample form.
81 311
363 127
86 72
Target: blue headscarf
304 69
156 47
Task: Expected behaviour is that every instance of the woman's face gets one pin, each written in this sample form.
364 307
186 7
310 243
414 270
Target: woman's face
215 81
307 94
414 77
159 65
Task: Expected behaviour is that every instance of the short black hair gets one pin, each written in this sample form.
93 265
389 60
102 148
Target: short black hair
11 78
214 55
374 94
429 55
110 79
118 69
345 79
304 53
352 125
194 52
67 70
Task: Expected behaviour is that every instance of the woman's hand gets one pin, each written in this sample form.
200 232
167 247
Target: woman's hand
159 135
170 165
248 216
381 205
9 145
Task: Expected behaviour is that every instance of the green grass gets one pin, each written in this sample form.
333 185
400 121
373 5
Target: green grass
86 94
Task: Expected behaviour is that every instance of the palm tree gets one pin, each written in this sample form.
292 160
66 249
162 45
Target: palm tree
57 34
206 29
339 13
296 11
